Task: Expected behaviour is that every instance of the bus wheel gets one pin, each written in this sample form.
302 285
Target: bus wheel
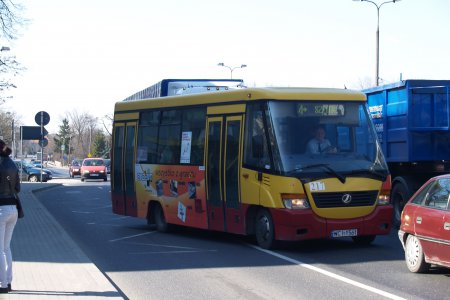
264 230
364 240
160 219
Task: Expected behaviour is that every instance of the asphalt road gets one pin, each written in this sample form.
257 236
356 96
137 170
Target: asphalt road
196 264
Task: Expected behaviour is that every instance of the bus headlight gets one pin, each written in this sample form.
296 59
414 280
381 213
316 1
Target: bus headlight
384 199
295 202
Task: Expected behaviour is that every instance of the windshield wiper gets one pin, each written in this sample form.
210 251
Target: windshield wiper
326 166
371 171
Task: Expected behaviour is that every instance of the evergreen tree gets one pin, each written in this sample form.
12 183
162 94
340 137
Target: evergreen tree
99 146
62 138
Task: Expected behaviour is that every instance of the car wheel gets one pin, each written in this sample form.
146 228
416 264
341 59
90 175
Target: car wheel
264 229
160 219
105 179
33 178
364 240
414 257
82 179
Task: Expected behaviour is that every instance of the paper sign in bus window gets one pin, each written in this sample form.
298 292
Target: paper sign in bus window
186 142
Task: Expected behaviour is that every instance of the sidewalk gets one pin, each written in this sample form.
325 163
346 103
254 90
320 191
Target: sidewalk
47 262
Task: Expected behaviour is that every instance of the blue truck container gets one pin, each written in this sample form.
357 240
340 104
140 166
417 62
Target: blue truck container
412 121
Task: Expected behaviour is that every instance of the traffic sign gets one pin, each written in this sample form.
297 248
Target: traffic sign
42 118
32 132
43 143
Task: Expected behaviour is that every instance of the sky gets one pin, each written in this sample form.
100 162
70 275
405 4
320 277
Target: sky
86 55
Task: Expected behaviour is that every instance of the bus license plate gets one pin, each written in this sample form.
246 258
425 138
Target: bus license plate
344 232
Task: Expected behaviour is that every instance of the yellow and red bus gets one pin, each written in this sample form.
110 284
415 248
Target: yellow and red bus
236 160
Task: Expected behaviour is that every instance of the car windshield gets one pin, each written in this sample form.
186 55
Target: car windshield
323 138
94 162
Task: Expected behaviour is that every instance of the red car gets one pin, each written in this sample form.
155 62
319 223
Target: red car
74 168
425 226
93 168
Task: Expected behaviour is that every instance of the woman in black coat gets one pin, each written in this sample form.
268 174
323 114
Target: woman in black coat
9 186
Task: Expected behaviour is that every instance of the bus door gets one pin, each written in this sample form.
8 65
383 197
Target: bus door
222 171
122 172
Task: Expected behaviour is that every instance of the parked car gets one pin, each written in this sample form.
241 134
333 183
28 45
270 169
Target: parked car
38 166
31 174
93 168
425 226
74 168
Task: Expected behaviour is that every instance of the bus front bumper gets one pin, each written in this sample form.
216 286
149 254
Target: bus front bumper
296 225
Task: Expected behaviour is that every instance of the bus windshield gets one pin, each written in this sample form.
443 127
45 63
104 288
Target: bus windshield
324 138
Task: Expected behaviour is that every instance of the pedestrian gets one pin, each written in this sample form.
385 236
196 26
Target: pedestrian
9 186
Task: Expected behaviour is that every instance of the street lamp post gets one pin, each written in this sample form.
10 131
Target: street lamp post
377 69
231 69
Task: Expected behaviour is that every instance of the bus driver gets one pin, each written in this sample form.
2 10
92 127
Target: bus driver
319 144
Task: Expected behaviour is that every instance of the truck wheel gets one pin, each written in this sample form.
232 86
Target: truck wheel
264 229
400 195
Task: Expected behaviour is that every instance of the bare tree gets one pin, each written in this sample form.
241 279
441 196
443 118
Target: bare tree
83 127
10 20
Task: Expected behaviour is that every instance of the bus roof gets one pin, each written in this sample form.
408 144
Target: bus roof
245 94
177 87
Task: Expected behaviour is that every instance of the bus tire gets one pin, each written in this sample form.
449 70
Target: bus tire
160 219
264 229
400 195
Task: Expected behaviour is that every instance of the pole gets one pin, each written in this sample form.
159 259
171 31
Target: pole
377 67
42 143
377 74
13 140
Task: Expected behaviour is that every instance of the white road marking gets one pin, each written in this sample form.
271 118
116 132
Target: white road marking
172 252
330 274
131 236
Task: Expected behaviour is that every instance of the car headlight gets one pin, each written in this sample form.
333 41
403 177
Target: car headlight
102 171
295 201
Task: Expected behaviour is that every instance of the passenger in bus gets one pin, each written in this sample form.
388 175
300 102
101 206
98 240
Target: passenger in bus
319 144
166 155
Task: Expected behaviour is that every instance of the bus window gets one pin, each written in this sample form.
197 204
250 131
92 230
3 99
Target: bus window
194 122
148 137
169 137
256 154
